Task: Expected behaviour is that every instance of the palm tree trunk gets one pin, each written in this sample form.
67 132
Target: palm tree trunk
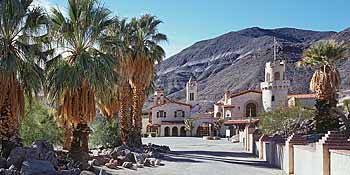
125 113
8 128
67 138
79 147
138 100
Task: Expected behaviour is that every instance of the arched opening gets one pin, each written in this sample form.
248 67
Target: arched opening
277 76
228 114
167 131
183 132
251 110
218 115
175 131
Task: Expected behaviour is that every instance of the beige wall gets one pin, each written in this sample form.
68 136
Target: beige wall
170 108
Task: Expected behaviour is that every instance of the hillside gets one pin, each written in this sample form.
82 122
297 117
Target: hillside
235 61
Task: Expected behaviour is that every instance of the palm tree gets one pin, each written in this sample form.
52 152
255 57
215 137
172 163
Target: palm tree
146 52
22 28
189 126
116 43
79 73
325 81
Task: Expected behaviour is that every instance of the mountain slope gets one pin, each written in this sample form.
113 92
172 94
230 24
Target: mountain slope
235 61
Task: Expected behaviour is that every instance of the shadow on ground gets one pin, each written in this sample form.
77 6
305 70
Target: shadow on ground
224 157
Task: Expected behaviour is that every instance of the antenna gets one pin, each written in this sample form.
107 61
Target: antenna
274 48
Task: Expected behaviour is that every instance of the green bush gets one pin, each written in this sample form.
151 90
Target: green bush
39 124
105 132
153 135
145 135
285 121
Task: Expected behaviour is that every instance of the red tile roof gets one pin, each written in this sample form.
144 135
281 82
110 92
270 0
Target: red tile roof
244 92
302 96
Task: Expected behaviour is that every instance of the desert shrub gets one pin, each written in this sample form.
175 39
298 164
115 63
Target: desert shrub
105 132
145 135
153 135
285 121
39 124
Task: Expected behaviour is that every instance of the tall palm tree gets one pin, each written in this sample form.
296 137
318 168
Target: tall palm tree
116 43
146 52
22 28
79 73
325 81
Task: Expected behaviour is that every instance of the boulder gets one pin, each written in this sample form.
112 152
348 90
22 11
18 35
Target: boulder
43 146
157 162
16 157
87 173
3 163
113 164
8 172
140 157
130 157
74 171
127 165
42 167
149 162
100 160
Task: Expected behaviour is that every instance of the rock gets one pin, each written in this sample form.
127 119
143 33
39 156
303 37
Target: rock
3 163
149 162
16 157
140 158
31 167
130 157
87 173
100 160
43 146
120 151
8 172
139 165
113 164
74 171
157 162
127 165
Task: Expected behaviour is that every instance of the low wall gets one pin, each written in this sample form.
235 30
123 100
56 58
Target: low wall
305 160
340 162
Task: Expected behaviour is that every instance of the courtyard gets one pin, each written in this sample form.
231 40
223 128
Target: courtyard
194 156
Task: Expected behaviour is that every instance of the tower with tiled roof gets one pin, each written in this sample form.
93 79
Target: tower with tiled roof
191 90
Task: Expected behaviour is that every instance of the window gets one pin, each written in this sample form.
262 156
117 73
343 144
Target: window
228 114
277 76
273 98
161 114
267 78
251 110
191 96
179 113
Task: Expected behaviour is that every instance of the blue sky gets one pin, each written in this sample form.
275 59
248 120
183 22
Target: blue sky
189 21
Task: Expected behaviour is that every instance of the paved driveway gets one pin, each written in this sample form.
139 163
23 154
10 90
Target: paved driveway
194 156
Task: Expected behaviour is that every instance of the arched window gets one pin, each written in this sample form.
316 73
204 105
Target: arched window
277 76
218 115
251 110
228 114
175 131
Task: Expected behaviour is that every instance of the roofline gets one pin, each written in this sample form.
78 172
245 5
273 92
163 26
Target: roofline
244 92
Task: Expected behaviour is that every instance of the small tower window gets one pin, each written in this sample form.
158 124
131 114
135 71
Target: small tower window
273 98
277 76
191 96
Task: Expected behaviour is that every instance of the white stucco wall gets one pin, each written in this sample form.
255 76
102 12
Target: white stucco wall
170 108
240 103
306 160
340 162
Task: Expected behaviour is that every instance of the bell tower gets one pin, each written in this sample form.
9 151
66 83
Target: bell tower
191 90
275 87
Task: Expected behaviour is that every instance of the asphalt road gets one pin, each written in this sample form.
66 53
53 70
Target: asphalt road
194 156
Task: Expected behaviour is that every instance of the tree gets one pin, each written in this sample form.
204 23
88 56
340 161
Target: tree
22 30
105 132
80 73
218 124
146 52
189 125
39 123
325 81
286 121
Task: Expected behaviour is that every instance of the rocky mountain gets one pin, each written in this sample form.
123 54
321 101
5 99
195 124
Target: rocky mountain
235 61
